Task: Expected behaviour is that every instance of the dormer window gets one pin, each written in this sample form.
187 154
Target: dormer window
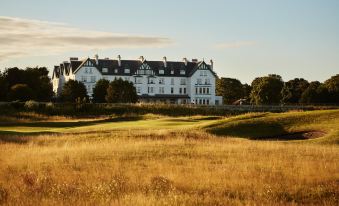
127 71
161 71
182 72
104 70
115 71
172 71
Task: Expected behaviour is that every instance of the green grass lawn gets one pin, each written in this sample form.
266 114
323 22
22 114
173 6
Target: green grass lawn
261 125
250 126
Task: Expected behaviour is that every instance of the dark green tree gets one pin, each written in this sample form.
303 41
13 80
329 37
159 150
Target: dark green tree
292 90
3 88
120 91
247 90
100 91
73 90
332 85
20 92
230 89
315 93
266 90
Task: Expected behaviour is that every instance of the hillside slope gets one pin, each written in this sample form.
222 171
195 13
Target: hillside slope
314 126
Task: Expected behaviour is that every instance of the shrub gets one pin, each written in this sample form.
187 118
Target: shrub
31 105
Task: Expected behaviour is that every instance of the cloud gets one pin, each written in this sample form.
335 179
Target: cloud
25 37
236 44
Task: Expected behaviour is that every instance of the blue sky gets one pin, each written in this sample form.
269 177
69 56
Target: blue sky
245 38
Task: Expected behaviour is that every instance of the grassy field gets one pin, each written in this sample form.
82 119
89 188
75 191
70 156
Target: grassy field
157 160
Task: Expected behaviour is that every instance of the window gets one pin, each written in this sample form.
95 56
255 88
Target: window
138 80
172 71
196 90
183 81
150 89
180 90
200 90
86 70
161 81
105 78
172 81
161 71
89 88
172 90
83 78
138 90
93 79
203 101
127 71
207 90
115 71
203 90
104 70
161 90
150 80
185 90
207 101
182 72
127 79
198 81
207 81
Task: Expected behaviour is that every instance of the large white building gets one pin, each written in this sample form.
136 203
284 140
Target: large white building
178 82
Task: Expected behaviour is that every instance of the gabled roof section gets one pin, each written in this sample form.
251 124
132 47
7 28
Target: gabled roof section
205 66
83 63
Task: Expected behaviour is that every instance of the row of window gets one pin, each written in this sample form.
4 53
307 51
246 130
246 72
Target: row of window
151 90
138 80
206 81
105 70
202 101
202 90
85 79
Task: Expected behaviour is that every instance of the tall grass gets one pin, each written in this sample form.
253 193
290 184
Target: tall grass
165 167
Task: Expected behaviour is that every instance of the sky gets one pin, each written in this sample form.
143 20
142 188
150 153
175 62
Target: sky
245 38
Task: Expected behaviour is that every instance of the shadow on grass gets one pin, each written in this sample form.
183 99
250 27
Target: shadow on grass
68 123
19 137
260 130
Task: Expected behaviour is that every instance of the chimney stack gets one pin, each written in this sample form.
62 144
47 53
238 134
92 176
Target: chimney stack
211 62
185 61
165 61
96 58
141 58
119 60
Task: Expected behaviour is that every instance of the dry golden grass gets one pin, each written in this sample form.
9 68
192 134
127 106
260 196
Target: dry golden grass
165 167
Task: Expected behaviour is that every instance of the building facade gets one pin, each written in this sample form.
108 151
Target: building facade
176 82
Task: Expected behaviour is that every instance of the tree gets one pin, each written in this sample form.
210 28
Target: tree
292 90
72 90
247 90
100 91
332 85
20 92
315 93
35 78
3 87
266 90
230 89
120 91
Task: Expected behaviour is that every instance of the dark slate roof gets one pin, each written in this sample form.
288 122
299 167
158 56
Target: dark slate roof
134 65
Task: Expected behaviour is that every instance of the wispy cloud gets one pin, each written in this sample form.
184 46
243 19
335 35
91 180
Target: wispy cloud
235 44
26 37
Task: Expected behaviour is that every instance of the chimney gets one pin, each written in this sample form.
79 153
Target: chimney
119 60
185 61
165 61
211 62
141 58
195 60
96 58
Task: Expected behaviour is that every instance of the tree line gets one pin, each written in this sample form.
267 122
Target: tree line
35 84
271 89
